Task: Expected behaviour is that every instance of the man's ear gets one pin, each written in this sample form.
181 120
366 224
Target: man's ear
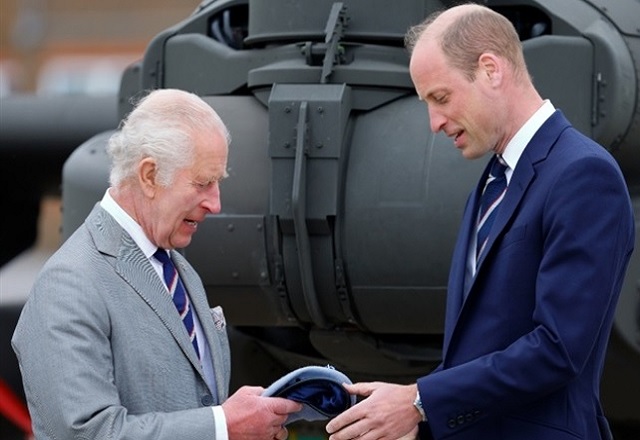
148 176
491 67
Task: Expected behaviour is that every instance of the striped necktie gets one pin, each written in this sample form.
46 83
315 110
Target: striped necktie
179 295
489 202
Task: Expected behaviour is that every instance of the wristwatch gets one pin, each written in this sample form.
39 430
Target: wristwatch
418 404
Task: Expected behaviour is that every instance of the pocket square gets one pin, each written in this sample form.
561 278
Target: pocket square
319 389
218 318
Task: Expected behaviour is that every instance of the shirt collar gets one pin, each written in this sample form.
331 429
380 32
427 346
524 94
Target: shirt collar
518 143
127 223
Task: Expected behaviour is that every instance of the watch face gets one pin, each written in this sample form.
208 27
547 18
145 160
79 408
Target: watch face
418 404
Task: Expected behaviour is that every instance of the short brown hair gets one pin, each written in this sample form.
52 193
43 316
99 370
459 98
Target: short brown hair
468 36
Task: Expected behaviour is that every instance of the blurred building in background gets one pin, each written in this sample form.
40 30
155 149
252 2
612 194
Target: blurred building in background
77 46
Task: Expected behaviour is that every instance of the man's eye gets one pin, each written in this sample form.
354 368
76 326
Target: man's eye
202 185
207 185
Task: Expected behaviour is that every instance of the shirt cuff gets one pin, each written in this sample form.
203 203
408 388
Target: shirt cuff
220 423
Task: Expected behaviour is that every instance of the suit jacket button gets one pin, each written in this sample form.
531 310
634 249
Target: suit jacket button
452 423
207 400
461 420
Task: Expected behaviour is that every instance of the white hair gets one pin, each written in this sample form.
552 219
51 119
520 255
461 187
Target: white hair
161 126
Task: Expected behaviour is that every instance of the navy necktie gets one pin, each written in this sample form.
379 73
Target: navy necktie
489 202
179 294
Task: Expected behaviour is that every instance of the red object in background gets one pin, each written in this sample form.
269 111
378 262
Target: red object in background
14 409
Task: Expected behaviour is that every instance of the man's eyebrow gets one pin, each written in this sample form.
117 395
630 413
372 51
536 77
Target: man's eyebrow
432 94
438 90
218 178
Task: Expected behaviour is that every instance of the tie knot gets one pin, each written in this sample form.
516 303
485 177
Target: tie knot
498 167
162 256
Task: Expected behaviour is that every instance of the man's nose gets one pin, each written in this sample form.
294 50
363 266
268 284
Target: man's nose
212 202
436 120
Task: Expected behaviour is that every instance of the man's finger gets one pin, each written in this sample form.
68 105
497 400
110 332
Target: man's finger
282 406
361 388
349 432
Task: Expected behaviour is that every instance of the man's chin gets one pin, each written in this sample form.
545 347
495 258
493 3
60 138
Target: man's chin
468 154
471 154
181 243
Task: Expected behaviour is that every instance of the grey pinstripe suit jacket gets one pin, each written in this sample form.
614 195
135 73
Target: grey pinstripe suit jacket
102 351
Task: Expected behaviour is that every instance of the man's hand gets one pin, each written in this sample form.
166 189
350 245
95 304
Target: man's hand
253 417
386 414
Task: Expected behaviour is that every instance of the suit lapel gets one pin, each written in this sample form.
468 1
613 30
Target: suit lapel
134 267
457 278
459 284
536 151
198 299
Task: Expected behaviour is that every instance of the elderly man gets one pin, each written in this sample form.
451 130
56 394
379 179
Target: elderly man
116 340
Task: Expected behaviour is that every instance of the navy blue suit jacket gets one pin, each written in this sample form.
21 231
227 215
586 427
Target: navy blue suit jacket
523 353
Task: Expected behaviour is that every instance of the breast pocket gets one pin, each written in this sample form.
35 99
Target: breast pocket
513 236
